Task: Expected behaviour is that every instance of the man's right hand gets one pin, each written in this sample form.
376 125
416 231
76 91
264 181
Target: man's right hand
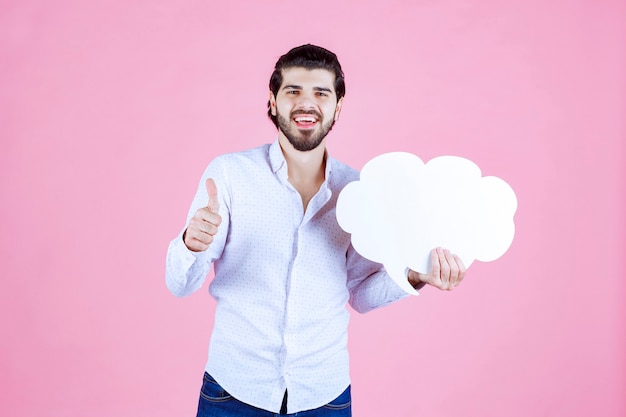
203 225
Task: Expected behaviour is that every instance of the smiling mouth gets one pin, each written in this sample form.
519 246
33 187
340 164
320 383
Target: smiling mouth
305 120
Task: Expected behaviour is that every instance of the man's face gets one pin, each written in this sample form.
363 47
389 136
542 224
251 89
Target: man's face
306 106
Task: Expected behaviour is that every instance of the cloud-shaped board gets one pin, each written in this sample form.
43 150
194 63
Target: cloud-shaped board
402 208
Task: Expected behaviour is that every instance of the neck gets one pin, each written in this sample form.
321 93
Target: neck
305 170
304 167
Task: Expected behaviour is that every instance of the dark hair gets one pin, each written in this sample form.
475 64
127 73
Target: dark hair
310 57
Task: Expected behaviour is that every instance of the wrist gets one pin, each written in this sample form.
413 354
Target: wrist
414 280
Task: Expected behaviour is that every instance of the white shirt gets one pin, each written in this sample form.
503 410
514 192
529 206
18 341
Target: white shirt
282 281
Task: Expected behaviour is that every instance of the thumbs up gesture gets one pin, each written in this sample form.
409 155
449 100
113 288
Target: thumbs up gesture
204 223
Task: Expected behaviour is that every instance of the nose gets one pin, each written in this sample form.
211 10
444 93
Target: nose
306 101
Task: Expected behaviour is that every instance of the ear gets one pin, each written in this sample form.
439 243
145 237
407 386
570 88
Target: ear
272 104
338 108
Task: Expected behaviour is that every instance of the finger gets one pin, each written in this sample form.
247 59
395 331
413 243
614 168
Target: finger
207 227
445 269
211 190
197 241
454 268
435 266
462 268
200 236
206 220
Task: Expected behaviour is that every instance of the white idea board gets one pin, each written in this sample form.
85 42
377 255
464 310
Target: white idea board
401 209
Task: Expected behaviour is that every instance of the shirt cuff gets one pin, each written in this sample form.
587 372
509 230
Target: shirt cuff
401 281
181 257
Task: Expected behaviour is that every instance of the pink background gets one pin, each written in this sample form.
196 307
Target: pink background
110 110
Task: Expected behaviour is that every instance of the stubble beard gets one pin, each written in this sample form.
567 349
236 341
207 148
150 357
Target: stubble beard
304 140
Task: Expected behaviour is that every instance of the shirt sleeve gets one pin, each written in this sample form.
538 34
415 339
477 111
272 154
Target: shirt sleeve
185 270
369 284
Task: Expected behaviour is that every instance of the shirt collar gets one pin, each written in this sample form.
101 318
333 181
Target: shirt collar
277 159
278 162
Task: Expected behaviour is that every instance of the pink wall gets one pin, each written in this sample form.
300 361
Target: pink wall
109 111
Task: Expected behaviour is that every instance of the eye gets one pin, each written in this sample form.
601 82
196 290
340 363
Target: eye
292 92
322 94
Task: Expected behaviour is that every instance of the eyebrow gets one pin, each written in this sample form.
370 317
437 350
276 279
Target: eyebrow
298 87
328 90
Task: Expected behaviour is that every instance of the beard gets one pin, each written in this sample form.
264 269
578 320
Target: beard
304 140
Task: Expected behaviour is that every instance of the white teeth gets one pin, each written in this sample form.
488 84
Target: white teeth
305 119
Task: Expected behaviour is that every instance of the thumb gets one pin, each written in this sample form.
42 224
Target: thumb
211 189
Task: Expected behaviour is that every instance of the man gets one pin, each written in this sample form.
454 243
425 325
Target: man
284 269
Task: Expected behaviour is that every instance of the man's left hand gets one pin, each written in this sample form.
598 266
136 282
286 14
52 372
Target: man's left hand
446 271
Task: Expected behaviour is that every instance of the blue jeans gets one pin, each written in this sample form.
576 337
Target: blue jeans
216 402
